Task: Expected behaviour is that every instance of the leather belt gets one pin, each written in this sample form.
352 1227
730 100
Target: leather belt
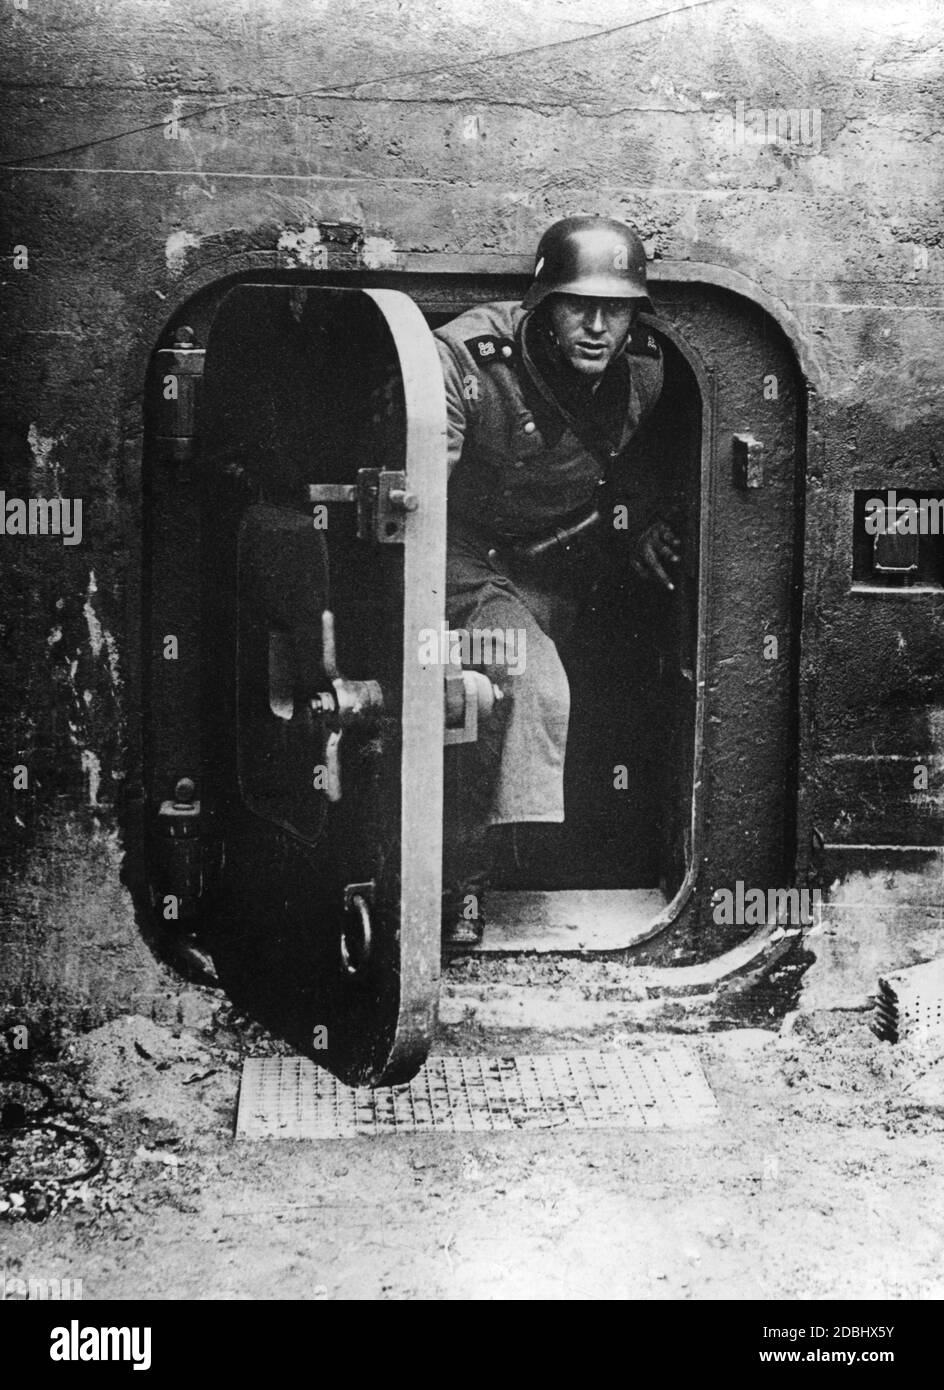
559 539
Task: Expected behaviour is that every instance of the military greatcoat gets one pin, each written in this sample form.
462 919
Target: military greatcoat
530 448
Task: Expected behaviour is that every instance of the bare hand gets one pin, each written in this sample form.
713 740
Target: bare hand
656 547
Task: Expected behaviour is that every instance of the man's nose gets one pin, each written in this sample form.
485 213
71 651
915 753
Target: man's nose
595 319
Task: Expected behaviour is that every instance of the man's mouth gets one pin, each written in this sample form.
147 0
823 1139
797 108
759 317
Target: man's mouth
592 350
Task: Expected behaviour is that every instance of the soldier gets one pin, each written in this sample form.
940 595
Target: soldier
543 398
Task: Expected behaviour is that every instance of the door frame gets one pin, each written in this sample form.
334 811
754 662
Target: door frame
201 291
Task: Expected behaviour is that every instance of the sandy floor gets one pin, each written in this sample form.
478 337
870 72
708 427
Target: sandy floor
821 1179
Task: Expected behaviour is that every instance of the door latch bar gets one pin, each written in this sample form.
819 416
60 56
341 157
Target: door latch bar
383 503
468 696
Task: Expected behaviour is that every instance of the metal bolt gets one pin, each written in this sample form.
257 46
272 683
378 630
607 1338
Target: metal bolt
406 501
185 792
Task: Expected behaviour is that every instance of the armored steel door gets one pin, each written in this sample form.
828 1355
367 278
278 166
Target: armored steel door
322 498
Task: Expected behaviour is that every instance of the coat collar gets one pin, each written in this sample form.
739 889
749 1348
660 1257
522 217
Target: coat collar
573 404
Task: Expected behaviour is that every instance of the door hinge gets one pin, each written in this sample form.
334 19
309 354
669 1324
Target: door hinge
185 855
179 376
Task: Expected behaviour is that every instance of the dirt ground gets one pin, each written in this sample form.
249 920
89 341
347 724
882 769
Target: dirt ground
821 1179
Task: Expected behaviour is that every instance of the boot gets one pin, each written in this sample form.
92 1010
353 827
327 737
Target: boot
468 867
471 776
467 851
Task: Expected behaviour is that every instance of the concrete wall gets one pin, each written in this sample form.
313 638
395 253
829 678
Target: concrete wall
459 129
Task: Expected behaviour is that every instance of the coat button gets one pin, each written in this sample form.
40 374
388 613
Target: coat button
506 351
529 427
519 463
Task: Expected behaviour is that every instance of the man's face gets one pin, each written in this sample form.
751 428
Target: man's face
589 331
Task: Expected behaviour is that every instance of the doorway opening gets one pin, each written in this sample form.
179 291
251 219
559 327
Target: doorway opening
600 880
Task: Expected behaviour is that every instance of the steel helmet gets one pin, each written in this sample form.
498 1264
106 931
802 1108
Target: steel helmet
595 256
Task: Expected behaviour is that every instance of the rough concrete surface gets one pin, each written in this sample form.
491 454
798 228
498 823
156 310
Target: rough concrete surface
819 1180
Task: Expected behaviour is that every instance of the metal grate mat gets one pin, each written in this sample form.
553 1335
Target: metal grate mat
664 1088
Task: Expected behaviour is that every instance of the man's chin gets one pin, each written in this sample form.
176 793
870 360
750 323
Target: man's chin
588 366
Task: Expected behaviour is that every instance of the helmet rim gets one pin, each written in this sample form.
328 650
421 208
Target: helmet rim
588 289
576 256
